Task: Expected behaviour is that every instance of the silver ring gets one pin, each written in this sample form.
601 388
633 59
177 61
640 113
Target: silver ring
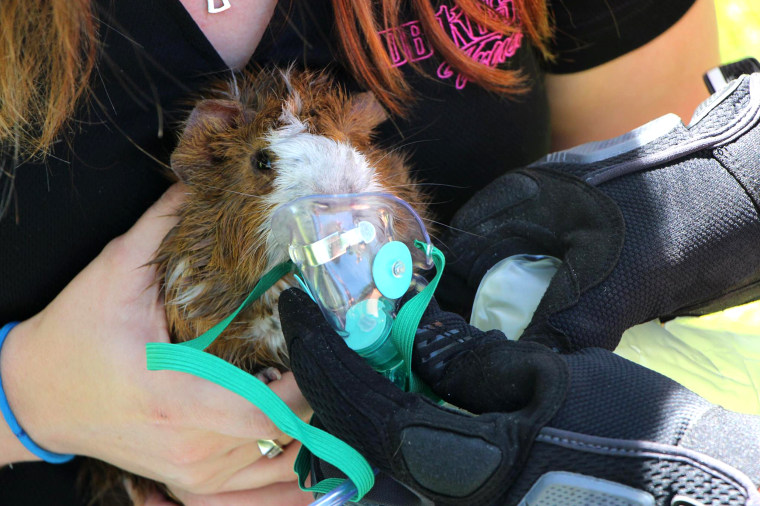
269 448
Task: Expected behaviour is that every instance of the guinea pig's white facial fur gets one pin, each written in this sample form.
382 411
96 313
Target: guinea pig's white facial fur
309 164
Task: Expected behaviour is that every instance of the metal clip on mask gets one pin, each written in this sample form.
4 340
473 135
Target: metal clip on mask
351 259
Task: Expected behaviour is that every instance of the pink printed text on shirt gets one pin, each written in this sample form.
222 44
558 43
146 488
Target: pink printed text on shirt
407 43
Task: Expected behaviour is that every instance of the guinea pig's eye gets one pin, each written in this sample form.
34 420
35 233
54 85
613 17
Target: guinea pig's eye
262 160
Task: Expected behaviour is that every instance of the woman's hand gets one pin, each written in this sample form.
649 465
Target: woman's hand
275 494
76 378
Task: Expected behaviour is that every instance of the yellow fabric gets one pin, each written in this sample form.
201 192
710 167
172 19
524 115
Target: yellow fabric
716 356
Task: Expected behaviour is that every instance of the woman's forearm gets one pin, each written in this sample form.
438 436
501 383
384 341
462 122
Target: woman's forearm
11 449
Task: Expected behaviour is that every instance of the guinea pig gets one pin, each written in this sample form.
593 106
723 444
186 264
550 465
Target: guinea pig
250 145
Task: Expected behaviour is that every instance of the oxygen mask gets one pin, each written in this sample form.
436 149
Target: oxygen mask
355 257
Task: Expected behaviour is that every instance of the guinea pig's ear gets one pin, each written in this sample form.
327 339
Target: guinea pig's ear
365 114
212 115
209 117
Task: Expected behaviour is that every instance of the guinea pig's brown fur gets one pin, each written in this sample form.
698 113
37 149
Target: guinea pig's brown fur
238 155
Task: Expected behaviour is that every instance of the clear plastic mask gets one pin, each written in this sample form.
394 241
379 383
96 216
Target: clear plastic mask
355 254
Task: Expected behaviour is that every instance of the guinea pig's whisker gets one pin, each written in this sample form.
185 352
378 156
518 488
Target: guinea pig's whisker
444 185
411 185
227 190
401 145
423 203
395 149
455 229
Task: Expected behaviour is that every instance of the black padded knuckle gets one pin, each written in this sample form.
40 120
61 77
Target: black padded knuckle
449 464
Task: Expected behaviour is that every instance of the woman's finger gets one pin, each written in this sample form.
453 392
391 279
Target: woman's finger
276 494
265 471
229 414
267 481
235 456
156 498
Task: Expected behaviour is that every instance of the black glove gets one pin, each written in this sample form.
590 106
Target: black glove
657 223
590 424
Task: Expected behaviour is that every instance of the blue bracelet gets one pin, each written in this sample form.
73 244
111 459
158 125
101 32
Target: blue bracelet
53 458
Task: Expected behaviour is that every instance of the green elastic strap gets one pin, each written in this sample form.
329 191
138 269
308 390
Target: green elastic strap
408 319
265 283
402 333
302 467
189 357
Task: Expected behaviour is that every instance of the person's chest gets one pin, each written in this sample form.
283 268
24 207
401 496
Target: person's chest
233 32
458 135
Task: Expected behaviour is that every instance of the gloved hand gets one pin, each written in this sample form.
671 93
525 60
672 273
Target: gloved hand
590 425
660 222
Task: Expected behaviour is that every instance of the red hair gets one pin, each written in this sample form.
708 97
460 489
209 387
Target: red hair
359 23
48 54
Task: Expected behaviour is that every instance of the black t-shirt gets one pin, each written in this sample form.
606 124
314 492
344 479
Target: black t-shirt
154 61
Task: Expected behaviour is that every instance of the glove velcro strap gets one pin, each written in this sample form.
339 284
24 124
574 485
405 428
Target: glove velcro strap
408 319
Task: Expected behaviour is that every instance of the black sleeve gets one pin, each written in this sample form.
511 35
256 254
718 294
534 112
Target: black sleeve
588 33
